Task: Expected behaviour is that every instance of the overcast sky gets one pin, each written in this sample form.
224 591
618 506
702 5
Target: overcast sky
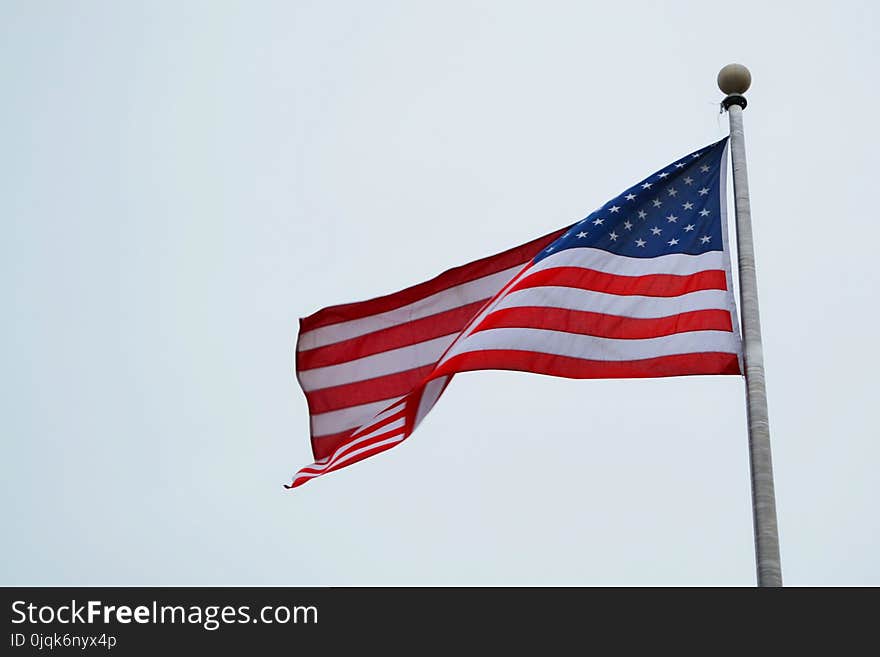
181 181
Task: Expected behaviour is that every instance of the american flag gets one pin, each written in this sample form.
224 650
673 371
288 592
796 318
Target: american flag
641 287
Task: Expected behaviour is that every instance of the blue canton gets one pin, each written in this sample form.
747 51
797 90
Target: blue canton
675 210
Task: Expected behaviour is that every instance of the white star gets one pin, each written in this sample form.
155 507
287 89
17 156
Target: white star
704 212
549 248
613 208
642 214
705 239
671 191
671 218
656 231
688 206
599 222
672 242
704 191
656 202
646 185
627 225
662 175
695 155
688 228
613 235
640 242
679 165
582 234
630 197
705 168
688 181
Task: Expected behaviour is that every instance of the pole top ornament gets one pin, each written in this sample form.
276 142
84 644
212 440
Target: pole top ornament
734 79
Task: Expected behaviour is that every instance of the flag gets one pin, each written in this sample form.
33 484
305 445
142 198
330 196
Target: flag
641 287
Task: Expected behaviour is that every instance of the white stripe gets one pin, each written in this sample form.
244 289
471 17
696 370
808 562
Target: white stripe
324 424
612 304
381 364
430 395
678 264
592 348
348 457
397 426
453 297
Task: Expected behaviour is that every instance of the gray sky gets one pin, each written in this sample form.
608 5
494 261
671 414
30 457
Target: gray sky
179 182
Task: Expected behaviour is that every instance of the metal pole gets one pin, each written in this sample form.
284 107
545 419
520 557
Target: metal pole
734 80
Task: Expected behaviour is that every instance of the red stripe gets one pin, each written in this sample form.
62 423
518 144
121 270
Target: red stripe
464 274
577 368
346 449
606 326
651 285
364 392
299 481
403 335
323 446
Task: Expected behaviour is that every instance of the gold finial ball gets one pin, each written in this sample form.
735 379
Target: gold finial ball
734 79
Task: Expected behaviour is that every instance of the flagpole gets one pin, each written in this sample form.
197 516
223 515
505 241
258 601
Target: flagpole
734 80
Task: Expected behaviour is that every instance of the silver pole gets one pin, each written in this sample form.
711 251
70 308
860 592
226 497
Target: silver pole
734 80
